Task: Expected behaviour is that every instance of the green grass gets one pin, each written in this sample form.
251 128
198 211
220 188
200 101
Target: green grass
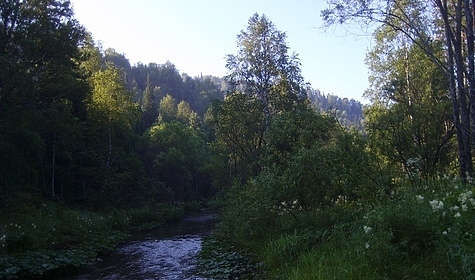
425 232
331 263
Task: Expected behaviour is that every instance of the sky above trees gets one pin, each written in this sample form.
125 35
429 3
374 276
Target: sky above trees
197 35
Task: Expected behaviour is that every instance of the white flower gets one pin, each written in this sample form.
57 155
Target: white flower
457 215
366 245
445 232
419 198
455 208
436 205
464 207
367 229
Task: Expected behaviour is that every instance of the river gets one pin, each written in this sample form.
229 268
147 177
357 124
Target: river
168 253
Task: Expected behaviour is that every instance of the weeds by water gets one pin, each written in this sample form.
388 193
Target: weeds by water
53 239
219 260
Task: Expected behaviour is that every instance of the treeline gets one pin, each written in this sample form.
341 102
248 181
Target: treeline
82 125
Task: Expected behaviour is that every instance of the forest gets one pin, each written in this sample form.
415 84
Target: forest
308 185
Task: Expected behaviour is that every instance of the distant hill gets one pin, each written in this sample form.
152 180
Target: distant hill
162 79
349 112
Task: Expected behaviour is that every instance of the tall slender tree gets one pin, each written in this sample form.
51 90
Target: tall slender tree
264 80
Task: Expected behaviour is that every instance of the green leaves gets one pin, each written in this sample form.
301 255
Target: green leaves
410 116
263 69
111 100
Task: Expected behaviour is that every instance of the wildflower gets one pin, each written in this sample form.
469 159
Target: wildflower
436 205
457 215
464 207
366 245
455 208
419 198
445 232
367 229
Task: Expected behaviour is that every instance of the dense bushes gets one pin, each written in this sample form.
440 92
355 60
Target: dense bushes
414 233
326 209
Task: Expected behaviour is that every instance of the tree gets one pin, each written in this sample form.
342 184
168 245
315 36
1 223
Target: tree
177 158
167 109
39 77
112 116
264 80
263 69
240 126
409 122
150 111
184 112
453 25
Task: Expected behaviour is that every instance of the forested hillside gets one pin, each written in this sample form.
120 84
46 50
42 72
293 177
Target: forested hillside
308 185
348 112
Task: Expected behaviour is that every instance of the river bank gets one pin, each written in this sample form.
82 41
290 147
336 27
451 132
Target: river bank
168 252
51 240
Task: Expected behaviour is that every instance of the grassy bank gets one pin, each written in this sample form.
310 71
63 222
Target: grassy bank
423 232
46 239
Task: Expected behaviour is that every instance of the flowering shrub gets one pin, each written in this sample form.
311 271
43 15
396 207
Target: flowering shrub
433 223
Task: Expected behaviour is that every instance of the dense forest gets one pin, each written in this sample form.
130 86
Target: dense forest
308 185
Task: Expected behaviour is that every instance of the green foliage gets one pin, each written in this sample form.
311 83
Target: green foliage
54 239
348 112
240 126
331 262
262 69
220 261
410 118
416 234
178 156
40 84
283 251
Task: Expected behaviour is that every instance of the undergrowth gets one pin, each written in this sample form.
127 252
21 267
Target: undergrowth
50 239
414 232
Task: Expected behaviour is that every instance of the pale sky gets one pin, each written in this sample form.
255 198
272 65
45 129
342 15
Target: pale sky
196 35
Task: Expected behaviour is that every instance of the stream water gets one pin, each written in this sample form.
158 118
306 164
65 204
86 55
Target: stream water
167 253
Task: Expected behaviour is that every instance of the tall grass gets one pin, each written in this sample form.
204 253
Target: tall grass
415 232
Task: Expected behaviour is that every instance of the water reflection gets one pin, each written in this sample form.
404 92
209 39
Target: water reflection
168 253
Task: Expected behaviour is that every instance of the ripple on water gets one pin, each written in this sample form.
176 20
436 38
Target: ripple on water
172 258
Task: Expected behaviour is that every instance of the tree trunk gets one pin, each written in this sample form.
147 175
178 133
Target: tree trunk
470 38
53 166
460 108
